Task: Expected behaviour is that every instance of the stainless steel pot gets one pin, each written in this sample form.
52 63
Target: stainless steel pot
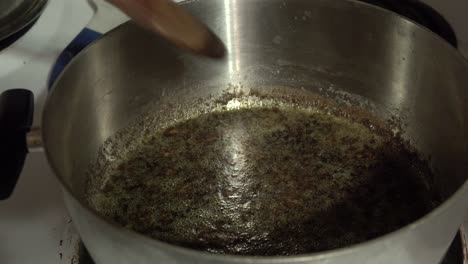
302 44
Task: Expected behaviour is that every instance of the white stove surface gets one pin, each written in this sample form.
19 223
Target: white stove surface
34 224
34 219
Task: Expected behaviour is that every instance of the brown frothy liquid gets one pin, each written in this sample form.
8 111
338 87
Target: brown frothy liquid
266 181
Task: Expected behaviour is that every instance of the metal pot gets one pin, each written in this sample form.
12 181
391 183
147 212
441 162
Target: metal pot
18 14
312 45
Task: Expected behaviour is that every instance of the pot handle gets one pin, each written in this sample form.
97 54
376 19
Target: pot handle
16 117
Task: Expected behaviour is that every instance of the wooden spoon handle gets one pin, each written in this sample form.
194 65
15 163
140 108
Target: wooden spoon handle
175 24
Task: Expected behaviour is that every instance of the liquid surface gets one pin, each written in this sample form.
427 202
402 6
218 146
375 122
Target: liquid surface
265 181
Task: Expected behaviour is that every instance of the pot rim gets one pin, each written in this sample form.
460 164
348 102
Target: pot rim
300 258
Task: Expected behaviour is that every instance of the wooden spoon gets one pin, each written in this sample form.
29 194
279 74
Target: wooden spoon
175 24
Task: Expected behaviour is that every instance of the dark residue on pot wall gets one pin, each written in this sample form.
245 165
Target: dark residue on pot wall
266 181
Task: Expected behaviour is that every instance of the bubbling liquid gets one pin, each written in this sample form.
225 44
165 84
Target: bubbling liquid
266 181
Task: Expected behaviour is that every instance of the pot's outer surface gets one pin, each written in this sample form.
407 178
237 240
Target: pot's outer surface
312 45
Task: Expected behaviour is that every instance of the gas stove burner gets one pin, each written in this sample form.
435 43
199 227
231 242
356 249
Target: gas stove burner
422 14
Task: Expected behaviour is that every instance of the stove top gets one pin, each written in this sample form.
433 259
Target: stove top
34 221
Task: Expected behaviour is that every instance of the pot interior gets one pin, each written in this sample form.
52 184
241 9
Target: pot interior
338 49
